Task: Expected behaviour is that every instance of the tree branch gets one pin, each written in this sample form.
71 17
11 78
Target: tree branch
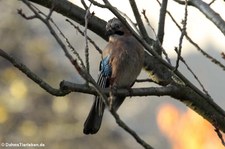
162 18
150 91
140 23
183 31
202 6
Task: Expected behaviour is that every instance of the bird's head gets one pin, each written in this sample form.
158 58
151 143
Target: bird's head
115 27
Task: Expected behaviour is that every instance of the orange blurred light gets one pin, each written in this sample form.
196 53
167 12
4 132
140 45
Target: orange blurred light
187 130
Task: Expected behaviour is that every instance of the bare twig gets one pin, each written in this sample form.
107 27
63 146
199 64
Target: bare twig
162 18
130 131
211 2
159 45
212 59
98 4
69 45
84 4
195 76
134 25
140 23
223 55
148 22
220 135
87 16
50 11
183 2
184 22
82 33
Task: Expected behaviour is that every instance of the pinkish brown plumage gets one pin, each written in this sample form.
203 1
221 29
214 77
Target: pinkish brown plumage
122 62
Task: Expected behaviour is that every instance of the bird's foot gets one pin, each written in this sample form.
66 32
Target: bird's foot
130 91
112 97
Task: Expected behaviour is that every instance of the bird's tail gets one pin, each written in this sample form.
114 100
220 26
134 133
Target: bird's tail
94 119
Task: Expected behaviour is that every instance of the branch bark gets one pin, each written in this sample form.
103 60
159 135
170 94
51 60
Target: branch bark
203 7
210 14
162 18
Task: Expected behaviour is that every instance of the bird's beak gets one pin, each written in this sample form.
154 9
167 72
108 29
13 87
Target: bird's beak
109 32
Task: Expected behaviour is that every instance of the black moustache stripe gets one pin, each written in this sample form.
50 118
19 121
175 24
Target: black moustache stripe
119 33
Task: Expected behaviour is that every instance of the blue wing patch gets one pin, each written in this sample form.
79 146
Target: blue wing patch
105 68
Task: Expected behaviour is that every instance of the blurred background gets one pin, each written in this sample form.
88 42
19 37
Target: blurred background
28 114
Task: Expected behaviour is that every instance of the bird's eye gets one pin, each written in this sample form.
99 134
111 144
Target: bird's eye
115 26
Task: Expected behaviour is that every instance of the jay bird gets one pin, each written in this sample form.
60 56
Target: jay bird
122 62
